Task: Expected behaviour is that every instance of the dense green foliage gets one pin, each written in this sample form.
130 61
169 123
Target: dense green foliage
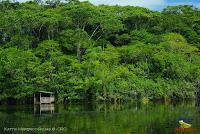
103 53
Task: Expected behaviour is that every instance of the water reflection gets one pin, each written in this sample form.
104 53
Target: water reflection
44 109
87 118
197 105
102 107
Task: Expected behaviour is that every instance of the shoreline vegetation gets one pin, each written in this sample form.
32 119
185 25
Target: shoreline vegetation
98 53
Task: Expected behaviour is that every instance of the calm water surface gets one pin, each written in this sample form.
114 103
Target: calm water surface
132 118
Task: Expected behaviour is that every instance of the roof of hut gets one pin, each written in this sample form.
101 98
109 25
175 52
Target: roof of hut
45 92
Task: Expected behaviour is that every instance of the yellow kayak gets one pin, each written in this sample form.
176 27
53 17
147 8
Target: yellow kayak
184 125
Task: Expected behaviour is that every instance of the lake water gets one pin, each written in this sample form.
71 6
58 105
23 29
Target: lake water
135 118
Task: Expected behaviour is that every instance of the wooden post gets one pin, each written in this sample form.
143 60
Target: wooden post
40 110
34 98
40 98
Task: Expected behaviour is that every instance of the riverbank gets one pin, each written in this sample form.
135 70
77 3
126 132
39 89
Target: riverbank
30 101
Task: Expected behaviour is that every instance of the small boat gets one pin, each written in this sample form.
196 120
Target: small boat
184 125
